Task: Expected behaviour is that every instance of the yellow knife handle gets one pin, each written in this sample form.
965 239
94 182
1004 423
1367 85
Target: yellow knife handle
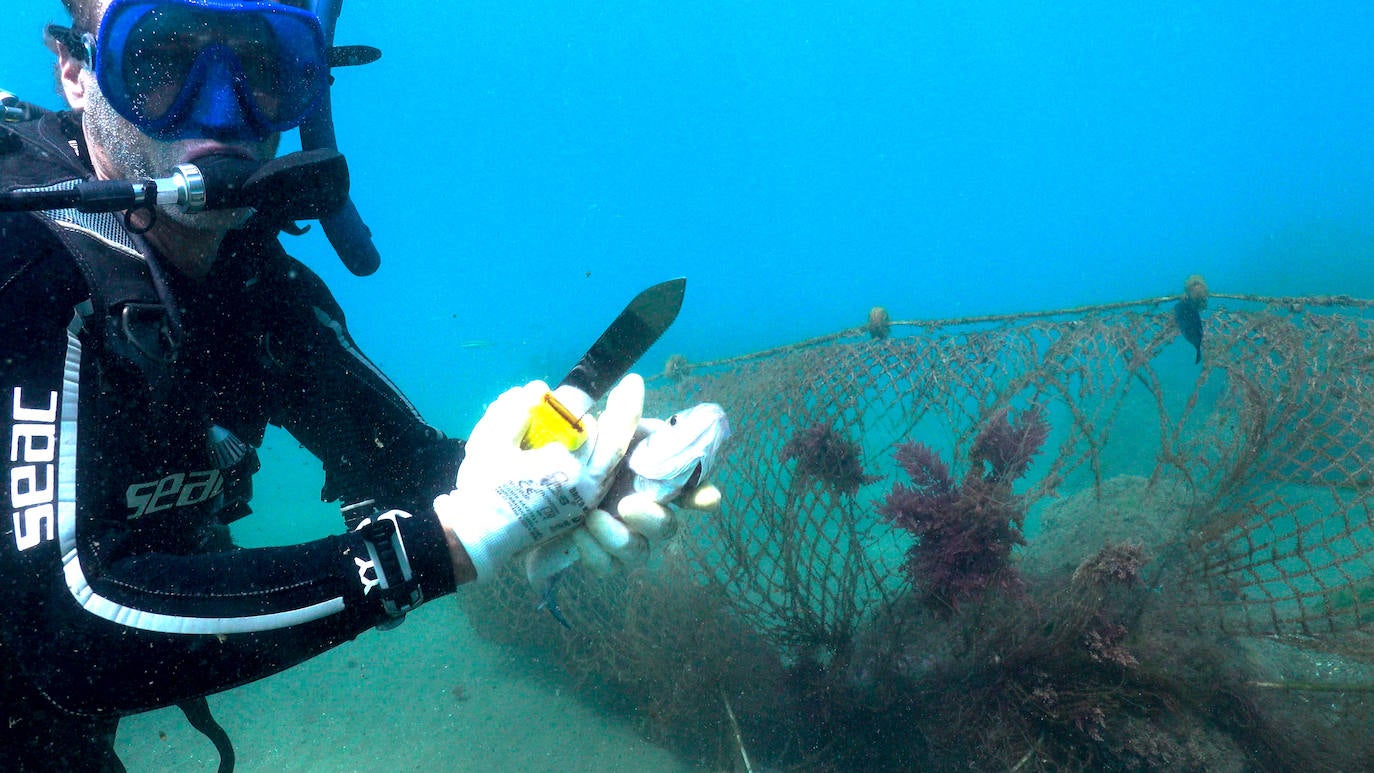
552 422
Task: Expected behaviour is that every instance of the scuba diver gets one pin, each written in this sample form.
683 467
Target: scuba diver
146 349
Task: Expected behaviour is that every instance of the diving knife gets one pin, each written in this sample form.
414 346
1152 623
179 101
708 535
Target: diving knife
558 419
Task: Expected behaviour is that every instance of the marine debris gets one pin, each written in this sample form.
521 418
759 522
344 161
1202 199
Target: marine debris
879 323
677 367
1195 290
735 733
1192 593
1188 312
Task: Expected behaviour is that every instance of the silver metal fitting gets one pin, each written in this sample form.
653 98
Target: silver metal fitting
10 109
190 187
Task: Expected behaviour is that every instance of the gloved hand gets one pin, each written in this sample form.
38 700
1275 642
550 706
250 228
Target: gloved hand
507 498
667 467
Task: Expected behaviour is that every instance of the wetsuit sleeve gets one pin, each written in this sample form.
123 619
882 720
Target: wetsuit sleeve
373 442
96 616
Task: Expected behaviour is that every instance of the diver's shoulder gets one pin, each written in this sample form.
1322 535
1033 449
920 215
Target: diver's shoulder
291 277
37 273
41 148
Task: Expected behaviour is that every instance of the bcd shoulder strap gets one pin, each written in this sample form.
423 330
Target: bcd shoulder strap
124 316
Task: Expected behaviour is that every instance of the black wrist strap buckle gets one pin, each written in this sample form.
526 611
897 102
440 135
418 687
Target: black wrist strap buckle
400 591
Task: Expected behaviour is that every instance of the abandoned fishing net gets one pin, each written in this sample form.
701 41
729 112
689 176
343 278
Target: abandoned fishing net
1054 541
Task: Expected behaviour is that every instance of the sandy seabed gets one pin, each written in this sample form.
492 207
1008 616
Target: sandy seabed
428 696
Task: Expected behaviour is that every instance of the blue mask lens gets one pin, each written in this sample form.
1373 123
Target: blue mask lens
223 69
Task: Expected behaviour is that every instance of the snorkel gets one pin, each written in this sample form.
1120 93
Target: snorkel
347 233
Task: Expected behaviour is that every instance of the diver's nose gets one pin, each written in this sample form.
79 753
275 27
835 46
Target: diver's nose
218 112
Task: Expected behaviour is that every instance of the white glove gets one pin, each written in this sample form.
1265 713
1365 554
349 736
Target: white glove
668 466
506 499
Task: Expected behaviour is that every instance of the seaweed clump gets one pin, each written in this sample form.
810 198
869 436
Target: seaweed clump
965 532
823 453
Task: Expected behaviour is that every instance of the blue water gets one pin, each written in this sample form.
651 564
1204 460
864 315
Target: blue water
527 167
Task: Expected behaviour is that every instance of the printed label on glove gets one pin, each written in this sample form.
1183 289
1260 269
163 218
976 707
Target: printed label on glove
545 507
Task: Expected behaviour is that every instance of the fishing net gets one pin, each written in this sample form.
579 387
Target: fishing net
1100 554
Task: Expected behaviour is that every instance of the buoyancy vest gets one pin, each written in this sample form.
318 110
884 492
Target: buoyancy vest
130 323
128 318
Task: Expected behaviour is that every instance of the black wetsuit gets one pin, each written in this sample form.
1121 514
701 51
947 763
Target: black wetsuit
129 427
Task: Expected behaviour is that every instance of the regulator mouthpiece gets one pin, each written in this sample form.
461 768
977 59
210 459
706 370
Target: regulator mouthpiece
305 185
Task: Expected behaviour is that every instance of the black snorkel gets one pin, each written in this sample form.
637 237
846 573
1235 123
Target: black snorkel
347 232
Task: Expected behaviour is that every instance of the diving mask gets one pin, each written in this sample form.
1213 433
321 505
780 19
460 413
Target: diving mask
221 69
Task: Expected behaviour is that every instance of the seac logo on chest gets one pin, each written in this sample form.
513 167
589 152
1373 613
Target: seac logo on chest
180 489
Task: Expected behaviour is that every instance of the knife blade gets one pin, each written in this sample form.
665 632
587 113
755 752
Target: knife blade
558 419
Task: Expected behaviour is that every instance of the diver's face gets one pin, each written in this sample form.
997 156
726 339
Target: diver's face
119 150
126 152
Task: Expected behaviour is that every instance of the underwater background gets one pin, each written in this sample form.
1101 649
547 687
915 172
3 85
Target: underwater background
527 167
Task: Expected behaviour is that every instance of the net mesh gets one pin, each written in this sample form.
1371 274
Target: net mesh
1194 587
